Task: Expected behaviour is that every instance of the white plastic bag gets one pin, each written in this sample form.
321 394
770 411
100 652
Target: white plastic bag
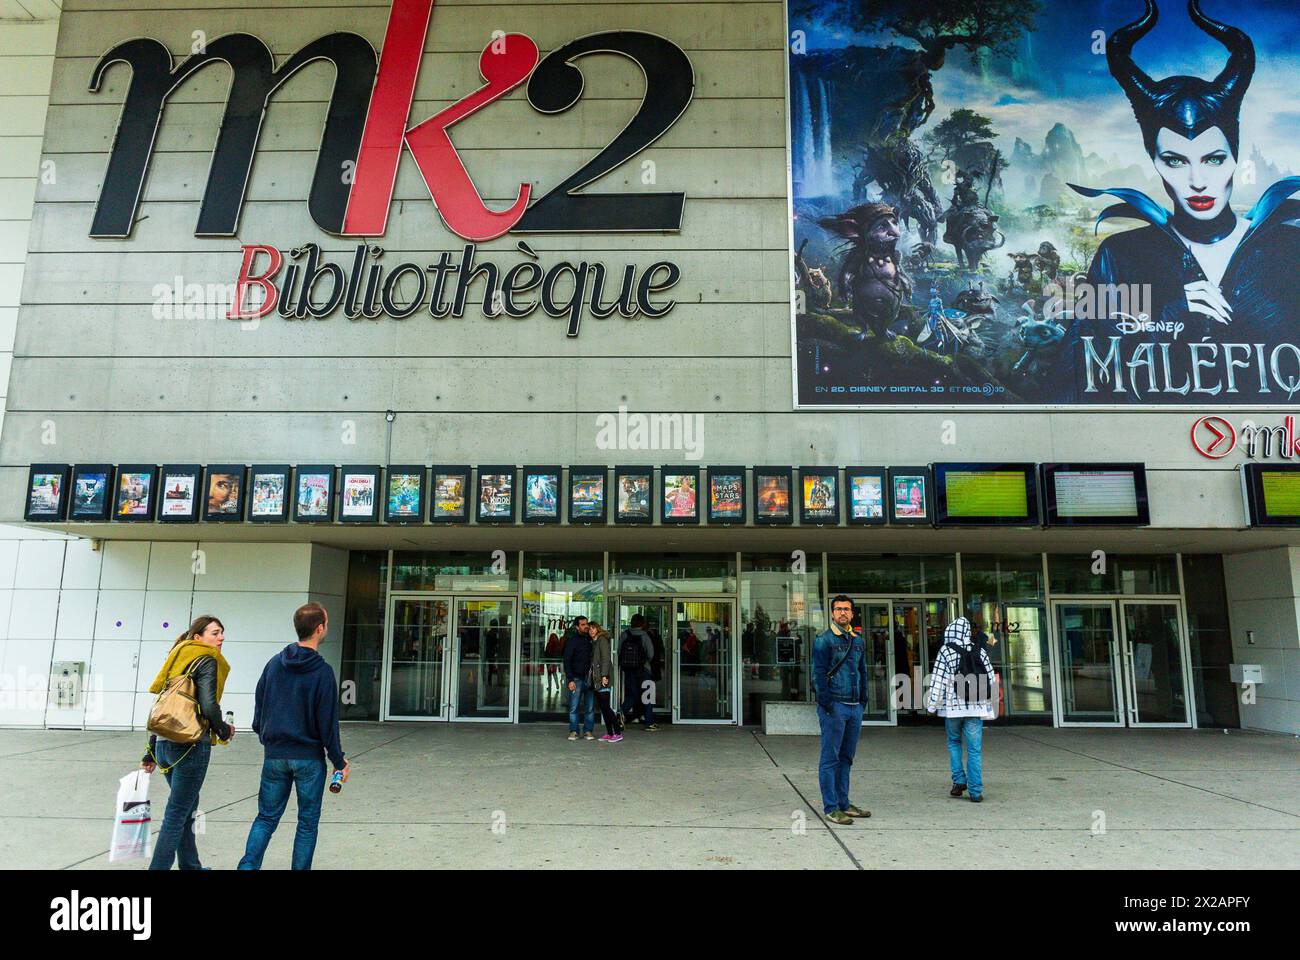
131 820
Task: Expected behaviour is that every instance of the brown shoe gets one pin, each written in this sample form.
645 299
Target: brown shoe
957 790
857 812
839 817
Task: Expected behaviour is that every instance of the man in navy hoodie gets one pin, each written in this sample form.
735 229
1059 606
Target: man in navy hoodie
297 720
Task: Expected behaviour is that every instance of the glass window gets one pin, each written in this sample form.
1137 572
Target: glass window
362 664
1210 640
780 614
1114 574
1004 602
892 574
673 573
558 588
454 572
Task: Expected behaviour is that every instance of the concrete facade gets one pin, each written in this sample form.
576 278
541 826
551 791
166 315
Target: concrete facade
98 375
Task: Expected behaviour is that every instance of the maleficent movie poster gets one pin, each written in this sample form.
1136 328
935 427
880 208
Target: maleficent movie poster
1045 202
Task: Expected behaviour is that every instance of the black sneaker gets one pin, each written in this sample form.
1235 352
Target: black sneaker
652 726
957 790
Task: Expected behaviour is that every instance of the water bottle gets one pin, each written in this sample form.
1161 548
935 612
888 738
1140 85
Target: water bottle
336 781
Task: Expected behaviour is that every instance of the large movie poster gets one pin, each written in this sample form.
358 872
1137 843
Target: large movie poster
1065 202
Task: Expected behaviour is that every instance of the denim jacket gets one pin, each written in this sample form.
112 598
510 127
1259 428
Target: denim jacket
849 684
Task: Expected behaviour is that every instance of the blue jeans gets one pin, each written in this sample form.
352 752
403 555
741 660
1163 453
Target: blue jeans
581 694
278 777
633 693
175 840
840 729
972 729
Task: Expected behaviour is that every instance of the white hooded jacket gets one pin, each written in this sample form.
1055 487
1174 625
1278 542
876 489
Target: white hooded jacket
952 696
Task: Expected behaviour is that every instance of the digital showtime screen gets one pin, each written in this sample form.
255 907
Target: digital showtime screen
1102 494
1272 494
986 494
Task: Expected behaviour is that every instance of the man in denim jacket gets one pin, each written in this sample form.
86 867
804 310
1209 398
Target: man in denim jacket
839 668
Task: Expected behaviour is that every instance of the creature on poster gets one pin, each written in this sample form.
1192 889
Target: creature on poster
1044 202
404 495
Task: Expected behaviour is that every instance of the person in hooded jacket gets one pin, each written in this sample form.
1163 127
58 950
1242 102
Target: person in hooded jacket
963 690
186 767
296 718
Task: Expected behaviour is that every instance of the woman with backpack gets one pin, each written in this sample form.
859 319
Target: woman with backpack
602 673
196 652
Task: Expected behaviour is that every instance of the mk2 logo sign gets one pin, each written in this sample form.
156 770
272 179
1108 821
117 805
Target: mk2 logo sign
368 123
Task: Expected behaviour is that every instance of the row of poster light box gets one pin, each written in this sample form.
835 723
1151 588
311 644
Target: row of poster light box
941 494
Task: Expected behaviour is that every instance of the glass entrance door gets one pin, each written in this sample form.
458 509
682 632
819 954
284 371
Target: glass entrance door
658 623
918 635
872 619
415 670
1089 653
1153 664
484 654
704 684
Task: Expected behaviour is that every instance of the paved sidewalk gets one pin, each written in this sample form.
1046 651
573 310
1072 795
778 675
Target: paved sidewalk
428 795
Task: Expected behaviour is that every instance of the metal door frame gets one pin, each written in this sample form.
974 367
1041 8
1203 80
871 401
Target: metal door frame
512 694
617 600
385 680
891 715
734 646
890 599
1117 678
1126 650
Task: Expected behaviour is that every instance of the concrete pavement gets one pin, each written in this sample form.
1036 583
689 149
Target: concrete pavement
480 795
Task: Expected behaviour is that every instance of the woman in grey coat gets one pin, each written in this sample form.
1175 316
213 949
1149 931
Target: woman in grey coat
602 672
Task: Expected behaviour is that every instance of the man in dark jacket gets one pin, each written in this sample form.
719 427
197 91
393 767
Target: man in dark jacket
297 720
636 653
839 673
577 664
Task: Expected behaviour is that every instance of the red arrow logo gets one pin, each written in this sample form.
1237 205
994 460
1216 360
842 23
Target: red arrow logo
1214 437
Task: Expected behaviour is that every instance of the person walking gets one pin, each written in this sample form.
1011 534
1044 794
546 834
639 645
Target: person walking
636 651
601 676
963 692
839 669
577 669
197 650
296 718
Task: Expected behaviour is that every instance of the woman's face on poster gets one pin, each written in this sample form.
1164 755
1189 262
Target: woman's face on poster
220 489
1197 173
